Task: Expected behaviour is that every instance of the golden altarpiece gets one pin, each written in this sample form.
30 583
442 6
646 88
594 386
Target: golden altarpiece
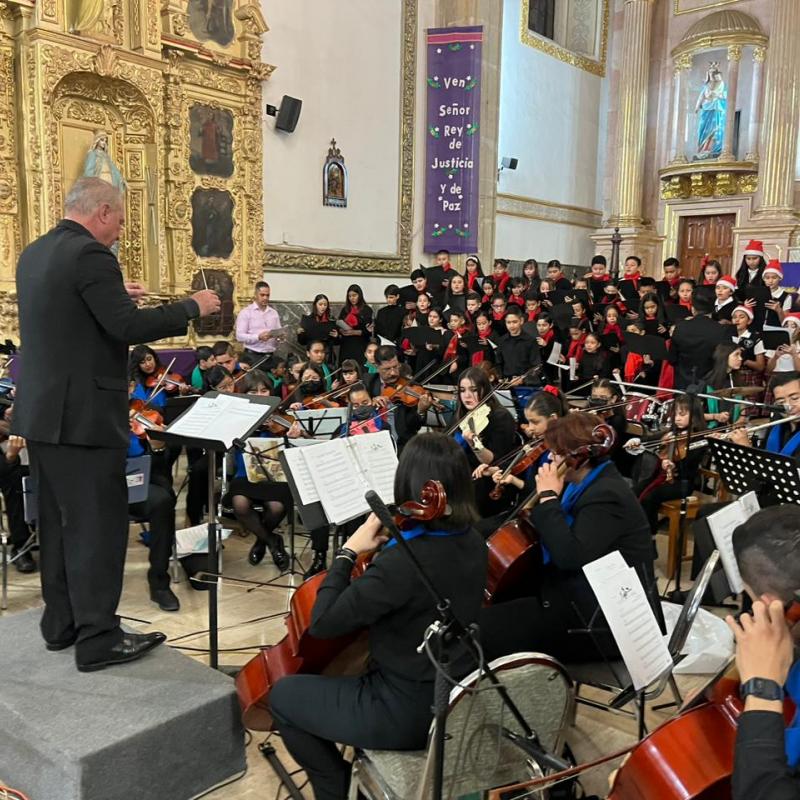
173 90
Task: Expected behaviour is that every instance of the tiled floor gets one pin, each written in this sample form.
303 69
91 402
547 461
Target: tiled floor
249 617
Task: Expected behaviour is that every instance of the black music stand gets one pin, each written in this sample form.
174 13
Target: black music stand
213 446
747 469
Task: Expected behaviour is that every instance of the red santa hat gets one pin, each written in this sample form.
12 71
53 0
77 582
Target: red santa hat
744 310
774 267
729 281
791 316
755 248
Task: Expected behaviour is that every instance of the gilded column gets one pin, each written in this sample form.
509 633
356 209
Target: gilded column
781 120
759 54
734 59
626 203
677 153
10 243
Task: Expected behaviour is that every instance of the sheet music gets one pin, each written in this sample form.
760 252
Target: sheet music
630 618
340 486
222 419
298 466
722 525
384 341
555 353
195 539
378 460
573 369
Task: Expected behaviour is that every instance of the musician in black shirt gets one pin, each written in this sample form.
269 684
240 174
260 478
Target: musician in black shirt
388 707
767 752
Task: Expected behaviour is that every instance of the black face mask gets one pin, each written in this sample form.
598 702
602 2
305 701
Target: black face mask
313 387
362 412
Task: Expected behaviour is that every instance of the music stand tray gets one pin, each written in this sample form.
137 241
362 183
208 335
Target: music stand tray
747 469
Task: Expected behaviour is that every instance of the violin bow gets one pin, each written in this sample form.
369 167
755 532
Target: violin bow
255 366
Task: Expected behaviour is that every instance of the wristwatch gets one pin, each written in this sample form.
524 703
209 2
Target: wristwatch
547 494
762 688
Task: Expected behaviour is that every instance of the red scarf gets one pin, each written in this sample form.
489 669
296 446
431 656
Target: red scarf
352 317
534 315
502 281
517 300
673 283
485 334
686 304
472 279
634 278
615 329
548 337
486 299
604 278
576 348
451 349
708 283
498 317
634 364
324 318
556 279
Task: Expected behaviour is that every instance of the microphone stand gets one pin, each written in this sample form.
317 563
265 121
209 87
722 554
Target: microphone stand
445 632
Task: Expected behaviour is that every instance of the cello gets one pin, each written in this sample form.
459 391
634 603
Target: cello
515 553
299 651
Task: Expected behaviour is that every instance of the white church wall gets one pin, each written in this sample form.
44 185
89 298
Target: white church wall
550 120
343 61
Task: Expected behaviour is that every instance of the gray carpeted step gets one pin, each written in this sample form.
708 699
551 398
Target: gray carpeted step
164 727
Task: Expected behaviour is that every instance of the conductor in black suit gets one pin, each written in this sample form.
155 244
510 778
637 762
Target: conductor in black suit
77 318
693 343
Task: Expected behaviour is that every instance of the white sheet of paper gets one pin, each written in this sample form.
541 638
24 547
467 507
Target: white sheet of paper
378 460
341 490
749 504
630 619
298 466
722 524
573 368
222 418
384 341
555 353
195 539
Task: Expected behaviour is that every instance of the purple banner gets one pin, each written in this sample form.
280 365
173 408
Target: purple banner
453 130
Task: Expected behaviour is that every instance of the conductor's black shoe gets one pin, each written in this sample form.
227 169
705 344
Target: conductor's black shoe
257 551
279 555
319 564
165 599
23 561
130 647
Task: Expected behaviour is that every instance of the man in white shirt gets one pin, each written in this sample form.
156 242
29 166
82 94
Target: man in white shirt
256 324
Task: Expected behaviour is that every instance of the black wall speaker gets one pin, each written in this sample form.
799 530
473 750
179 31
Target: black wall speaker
289 114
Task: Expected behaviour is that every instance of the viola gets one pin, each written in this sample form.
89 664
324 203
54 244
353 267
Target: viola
299 652
171 380
143 419
528 455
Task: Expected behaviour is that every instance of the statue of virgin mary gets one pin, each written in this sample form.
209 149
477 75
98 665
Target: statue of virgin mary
98 163
711 107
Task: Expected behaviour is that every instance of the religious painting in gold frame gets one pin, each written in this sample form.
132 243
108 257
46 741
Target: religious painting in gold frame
335 182
211 141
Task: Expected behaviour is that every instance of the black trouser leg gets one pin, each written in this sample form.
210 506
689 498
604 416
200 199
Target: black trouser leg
652 502
319 539
159 511
83 535
197 486
11 486
313 712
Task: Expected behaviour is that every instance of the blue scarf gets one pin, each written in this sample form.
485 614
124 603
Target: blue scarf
792 742
774 442
421 530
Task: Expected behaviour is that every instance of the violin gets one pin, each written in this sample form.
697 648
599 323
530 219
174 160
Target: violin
527 456
299 652
171 380
407 393
279 422
143 419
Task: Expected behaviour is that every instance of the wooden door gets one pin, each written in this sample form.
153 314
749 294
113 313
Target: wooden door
711 235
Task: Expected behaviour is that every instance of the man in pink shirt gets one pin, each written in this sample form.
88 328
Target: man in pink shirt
256 324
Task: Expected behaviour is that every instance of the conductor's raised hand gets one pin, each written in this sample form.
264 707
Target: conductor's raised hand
369 536
207 301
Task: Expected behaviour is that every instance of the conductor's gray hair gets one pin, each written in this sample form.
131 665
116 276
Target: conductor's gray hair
88 194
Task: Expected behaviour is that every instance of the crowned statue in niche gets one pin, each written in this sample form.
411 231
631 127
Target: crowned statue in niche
99 164
711 107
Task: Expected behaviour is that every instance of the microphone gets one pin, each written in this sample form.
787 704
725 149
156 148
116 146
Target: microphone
381 511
